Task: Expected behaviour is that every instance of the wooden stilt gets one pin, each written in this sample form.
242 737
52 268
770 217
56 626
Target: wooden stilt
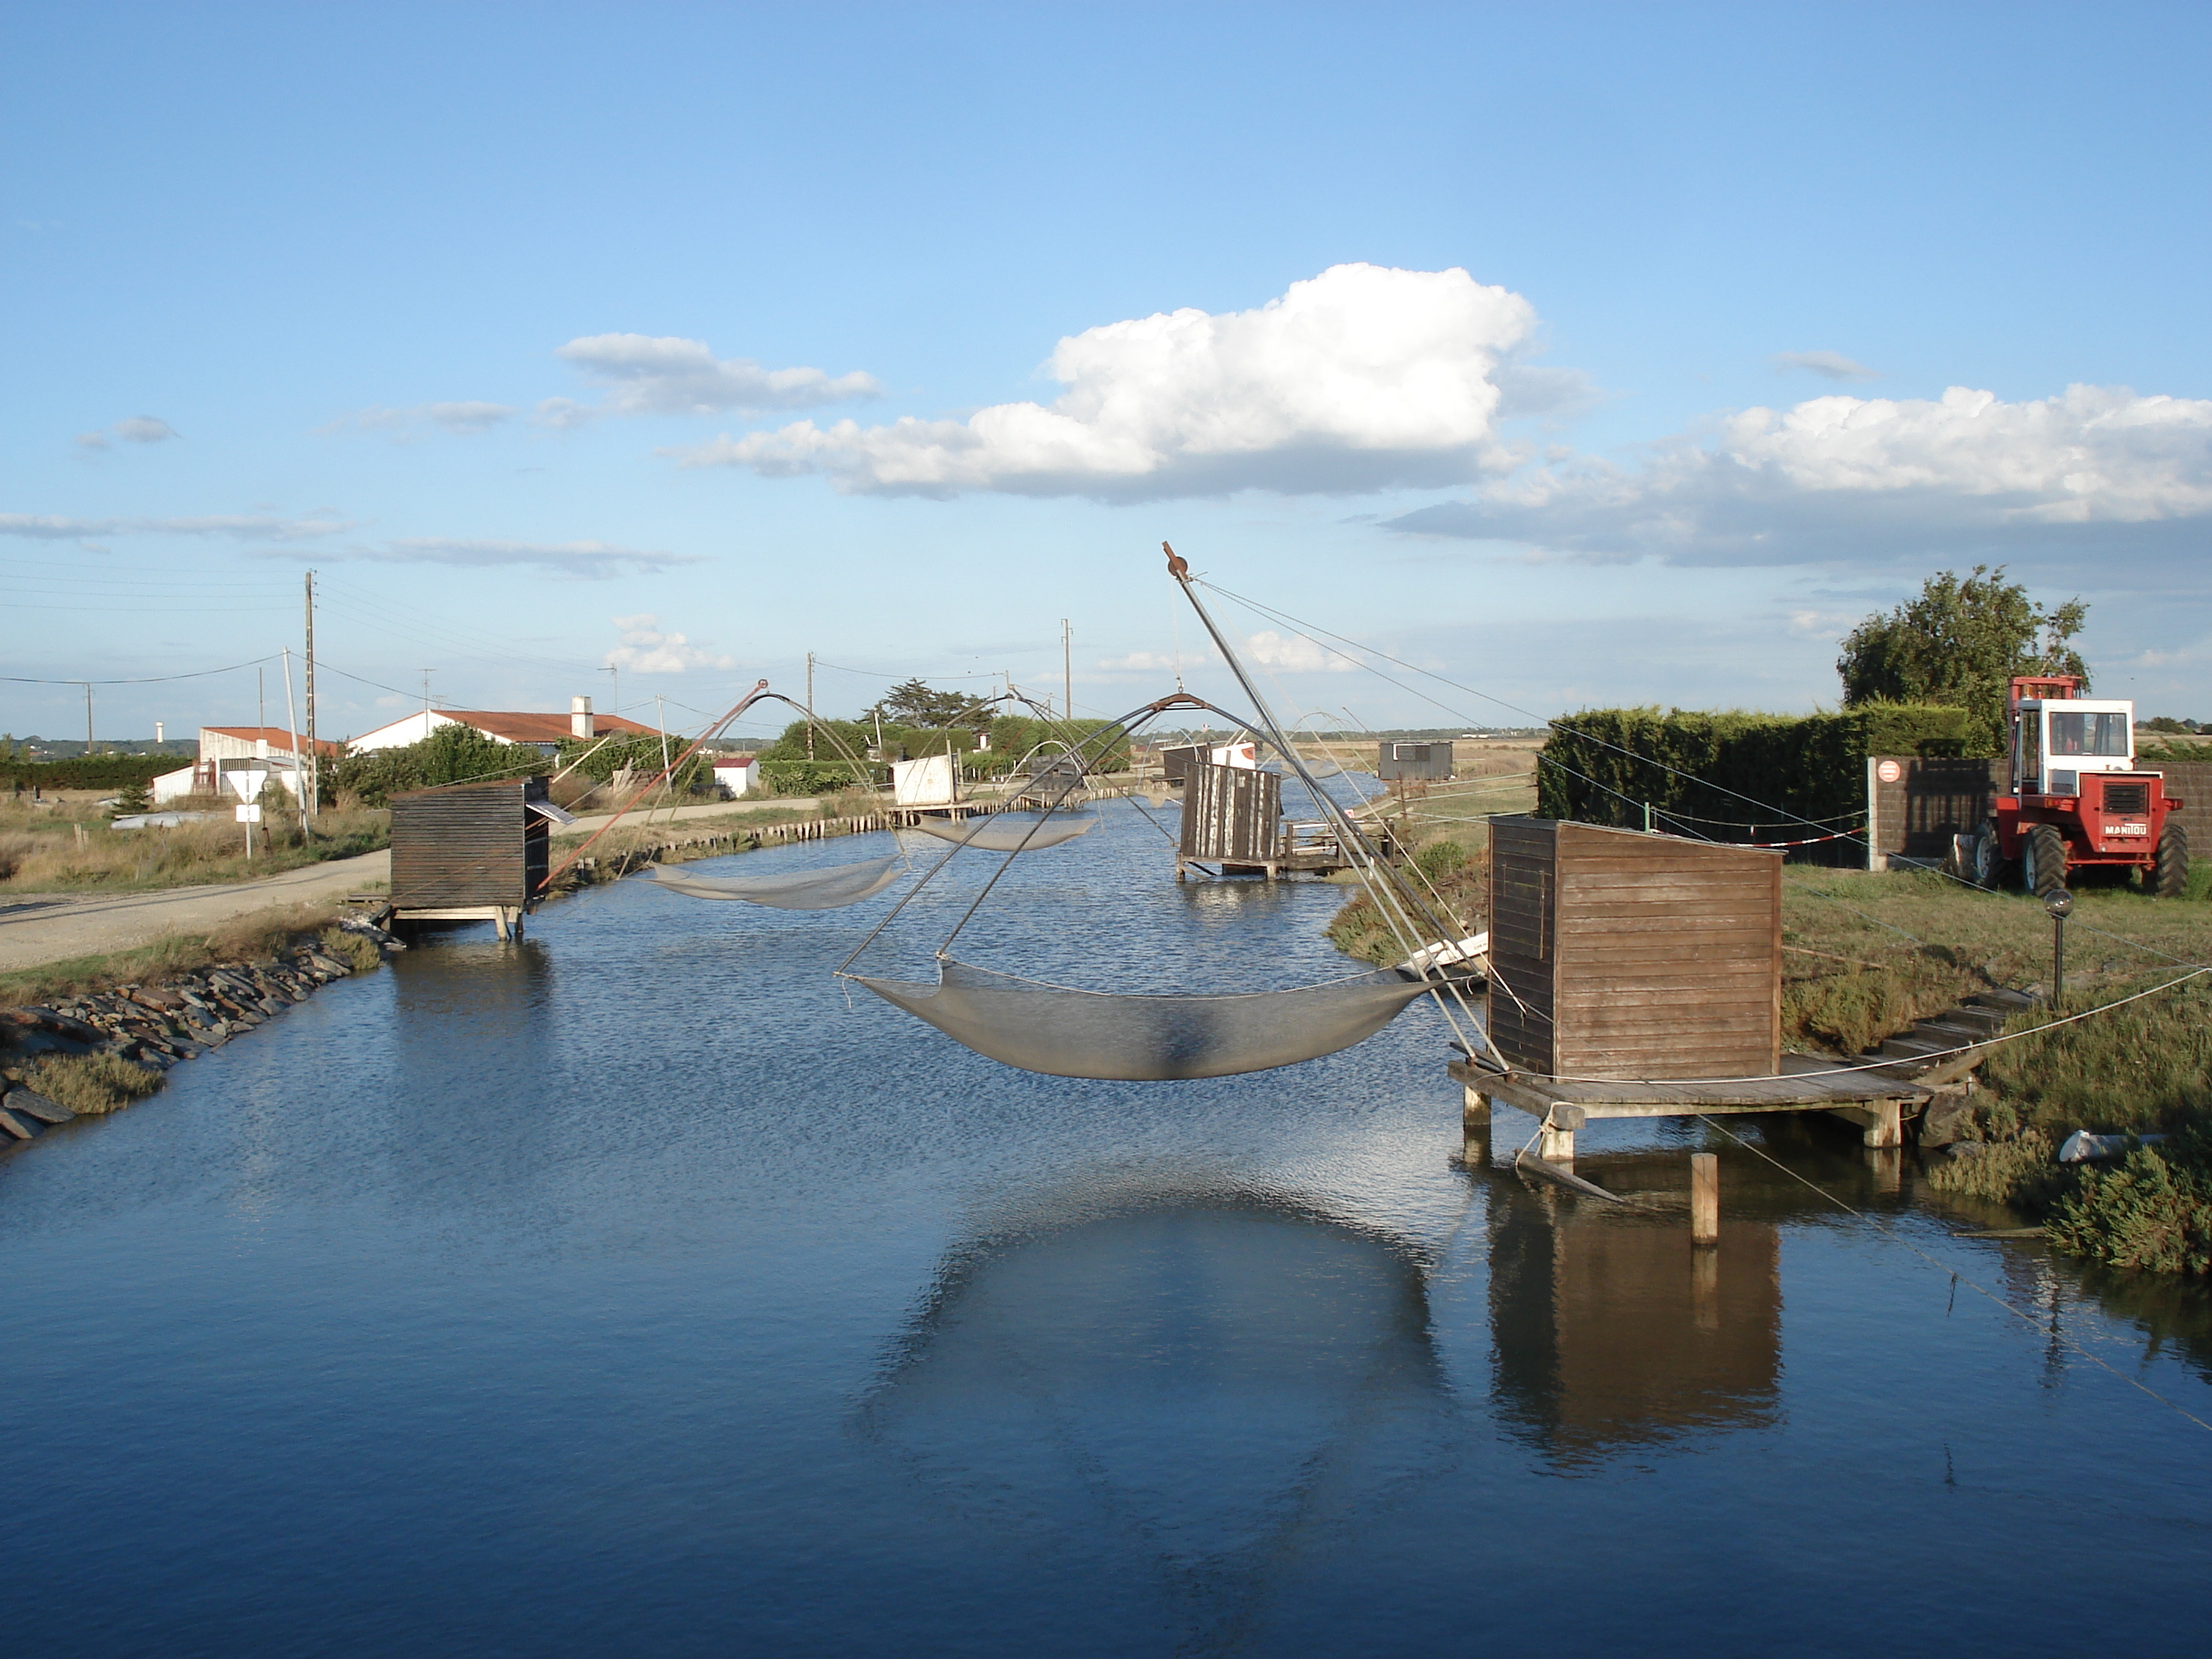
1557 1143
1705 1198
1474 1129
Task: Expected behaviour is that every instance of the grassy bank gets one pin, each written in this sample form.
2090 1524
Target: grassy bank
251 939
74 850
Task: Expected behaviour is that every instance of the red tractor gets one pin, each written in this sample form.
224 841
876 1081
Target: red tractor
2077 803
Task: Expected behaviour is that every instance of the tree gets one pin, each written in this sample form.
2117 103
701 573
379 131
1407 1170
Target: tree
914 703
133 798
1958 644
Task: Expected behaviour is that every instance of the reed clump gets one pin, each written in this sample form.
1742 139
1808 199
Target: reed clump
2151 1213
351 950
90 1084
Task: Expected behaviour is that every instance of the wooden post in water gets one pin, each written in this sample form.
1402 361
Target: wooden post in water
1474 1126
1705 1198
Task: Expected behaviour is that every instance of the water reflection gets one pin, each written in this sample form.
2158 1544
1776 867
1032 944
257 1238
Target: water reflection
1611 1331
1208 1385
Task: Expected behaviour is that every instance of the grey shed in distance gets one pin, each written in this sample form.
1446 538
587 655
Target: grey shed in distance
1393 761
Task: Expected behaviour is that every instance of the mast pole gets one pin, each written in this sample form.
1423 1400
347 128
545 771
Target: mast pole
1381 879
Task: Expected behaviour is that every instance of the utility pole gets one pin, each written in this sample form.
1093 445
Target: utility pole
260 700
315 801
88 717
809 705
1066 668
426 703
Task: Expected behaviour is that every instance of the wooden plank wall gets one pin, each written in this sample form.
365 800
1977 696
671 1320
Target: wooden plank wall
1636 955
463 844
1231 815
1522 935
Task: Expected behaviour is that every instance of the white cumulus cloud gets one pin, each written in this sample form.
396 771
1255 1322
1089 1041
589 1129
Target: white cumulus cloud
1840 477
647 648
1360 379
1295 653
646 374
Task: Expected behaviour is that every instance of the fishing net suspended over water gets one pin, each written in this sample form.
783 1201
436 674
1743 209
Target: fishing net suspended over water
1007 834
797 890
1093 1034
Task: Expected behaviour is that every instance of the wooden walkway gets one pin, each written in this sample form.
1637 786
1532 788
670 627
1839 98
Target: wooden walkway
1870 1100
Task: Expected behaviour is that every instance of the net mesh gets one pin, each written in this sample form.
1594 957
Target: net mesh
1091 1034
1006 834
829 888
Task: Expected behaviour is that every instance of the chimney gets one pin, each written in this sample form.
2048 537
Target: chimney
580 717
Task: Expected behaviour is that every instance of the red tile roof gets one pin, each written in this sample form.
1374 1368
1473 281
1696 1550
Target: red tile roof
523 728
277 737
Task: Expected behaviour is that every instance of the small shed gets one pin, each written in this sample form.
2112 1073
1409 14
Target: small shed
1176 760
932 781
1231 816
738 774
1619 954
1393 761
471 852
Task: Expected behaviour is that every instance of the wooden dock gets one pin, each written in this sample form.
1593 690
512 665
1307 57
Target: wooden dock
1872 1102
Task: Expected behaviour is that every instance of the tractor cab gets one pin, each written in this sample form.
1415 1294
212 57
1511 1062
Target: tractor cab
2056 739
2075 802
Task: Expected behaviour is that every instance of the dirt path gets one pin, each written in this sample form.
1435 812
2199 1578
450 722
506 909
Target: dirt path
39 927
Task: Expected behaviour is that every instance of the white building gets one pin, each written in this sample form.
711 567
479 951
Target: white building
545 733
242 761
738 774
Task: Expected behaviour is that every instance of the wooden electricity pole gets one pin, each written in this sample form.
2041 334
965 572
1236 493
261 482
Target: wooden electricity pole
314 760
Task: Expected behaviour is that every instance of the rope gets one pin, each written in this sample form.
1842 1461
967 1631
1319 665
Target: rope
1897 1238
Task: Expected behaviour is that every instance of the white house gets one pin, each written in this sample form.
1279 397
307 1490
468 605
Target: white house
545 733
240 760
738 774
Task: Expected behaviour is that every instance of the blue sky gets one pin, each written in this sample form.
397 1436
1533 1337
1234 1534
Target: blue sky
532 329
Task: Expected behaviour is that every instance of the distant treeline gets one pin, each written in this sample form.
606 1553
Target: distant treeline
840 749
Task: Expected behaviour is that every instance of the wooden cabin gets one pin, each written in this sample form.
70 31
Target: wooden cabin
471 852
1616 953
1231 816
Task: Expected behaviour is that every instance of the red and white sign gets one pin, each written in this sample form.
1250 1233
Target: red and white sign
1889 771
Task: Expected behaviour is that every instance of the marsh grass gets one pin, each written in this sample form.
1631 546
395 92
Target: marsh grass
90 1084
40 851
2153 1213
2144 1067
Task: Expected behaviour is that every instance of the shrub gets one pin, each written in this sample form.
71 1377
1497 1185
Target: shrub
2153 1211
2019 1173
91 1083
355 950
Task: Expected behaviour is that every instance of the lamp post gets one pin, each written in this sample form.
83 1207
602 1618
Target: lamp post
2060 903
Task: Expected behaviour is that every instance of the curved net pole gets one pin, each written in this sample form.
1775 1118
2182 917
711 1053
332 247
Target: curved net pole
751 697
1382 882
1128 722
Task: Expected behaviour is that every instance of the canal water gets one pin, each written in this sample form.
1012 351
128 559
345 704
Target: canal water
641 1289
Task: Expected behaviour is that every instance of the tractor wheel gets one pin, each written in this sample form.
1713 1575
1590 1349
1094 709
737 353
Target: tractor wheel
1989 858
2171 874
2044 862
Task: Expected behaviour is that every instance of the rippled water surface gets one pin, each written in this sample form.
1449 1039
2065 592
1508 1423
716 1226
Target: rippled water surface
637 1290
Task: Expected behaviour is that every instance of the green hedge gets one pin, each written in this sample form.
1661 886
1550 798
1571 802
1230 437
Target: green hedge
89 771
1702 772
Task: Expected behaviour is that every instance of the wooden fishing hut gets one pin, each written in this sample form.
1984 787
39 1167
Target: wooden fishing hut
472 852
1232 818
1635 975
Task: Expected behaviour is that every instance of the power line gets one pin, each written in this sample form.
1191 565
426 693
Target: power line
146 679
